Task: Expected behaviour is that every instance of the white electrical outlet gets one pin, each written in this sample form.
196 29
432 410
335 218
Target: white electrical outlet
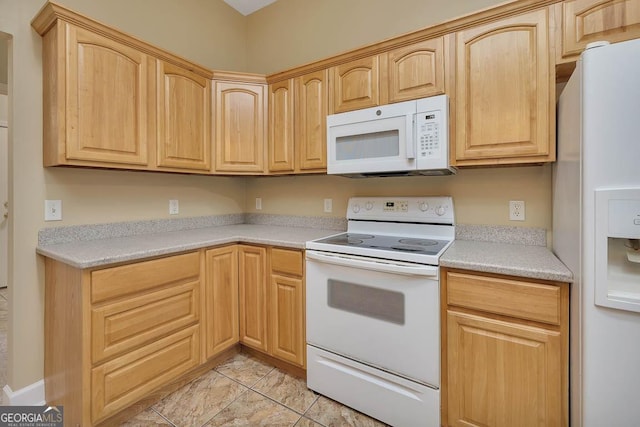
53 210
328 205
258 203
174 207
516 210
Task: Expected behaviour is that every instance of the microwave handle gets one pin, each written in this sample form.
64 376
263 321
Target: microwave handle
411 134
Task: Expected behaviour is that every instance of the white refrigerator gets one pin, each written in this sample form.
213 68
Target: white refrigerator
596 232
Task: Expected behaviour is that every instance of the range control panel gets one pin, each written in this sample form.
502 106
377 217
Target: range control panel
435 210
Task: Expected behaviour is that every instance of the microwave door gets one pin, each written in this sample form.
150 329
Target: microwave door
372 146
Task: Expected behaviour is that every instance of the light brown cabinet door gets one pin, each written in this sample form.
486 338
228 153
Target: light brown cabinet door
252 271
184 119
504 103
586 21
416 71
120 382
240 127
355 85
281 124
221 299
286 307
106 110
502 374
311 109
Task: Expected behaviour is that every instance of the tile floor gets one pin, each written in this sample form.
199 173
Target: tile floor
245 391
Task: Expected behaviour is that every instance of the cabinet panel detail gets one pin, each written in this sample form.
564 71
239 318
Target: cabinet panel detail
416 71
502 374
126 324
240 127
287 319
355 85
281 124
120 382
252 270
586 21
106 83
311 109
221 295
503 92
184 119
144 276
526 300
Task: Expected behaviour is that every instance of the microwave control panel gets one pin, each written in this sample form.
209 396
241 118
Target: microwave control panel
429 134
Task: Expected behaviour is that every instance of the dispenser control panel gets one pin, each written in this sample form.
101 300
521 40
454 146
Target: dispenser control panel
624 218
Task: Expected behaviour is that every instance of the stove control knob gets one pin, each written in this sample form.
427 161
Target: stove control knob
440 210
355 208
368 206
423 206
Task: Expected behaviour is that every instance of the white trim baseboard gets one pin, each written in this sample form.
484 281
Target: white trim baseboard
31 395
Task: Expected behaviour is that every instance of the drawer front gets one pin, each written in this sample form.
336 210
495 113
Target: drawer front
125 380
519 299
286 261
142 276
130 323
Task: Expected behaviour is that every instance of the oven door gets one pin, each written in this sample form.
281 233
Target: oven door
384 314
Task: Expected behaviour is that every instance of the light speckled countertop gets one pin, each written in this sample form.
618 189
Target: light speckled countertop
536 262
100 252
501 250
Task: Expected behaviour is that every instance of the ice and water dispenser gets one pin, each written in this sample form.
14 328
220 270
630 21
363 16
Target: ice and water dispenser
617 244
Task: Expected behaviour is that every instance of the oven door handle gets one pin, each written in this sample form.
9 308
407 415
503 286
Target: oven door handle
369 264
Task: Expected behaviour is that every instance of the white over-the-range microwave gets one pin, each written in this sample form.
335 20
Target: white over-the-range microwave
406 138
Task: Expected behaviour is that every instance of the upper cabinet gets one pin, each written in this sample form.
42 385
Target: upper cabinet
240 127
311 109
298 109
503 107
414 71
184 119
281 135
586 21
354 85
114 101
97 103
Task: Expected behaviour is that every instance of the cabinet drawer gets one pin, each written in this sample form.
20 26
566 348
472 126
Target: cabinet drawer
123 381
142 276
519 299
126 324
286 261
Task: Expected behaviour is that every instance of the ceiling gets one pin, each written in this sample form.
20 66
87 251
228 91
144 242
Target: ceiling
247 7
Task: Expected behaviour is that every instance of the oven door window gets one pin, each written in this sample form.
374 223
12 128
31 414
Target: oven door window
377 303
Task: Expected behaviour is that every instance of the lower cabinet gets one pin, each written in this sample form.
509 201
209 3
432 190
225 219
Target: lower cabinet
221 299
505 351
272 302
287 306
114 335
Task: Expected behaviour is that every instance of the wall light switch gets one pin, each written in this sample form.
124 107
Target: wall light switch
328 205
53 210
258 203
174 207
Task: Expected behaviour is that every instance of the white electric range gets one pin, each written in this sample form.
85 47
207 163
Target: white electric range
373 312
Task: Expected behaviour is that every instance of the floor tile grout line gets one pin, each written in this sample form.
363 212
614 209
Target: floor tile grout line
229 404
163 417
280 403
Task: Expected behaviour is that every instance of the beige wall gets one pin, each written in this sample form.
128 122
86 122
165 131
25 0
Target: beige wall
481 196
289 33
208 32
